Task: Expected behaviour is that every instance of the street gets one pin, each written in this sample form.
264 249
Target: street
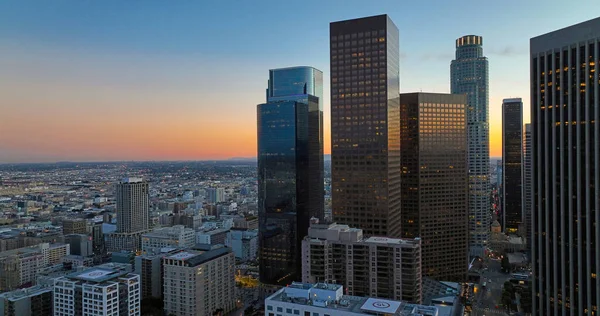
488 297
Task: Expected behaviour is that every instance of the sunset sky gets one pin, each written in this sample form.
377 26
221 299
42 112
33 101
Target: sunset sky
180 80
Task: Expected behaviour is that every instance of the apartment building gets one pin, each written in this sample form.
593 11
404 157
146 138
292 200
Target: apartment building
176 236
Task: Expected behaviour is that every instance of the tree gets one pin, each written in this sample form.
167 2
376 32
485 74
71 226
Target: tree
526 299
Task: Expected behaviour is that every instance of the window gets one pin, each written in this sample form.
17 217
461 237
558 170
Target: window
269 308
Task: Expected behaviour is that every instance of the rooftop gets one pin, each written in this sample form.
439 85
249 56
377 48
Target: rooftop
27 292
329 296
193 258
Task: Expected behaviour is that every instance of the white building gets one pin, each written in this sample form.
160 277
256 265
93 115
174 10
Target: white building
199 282
53 253
333 253
97 291
177 236
243 242
327 299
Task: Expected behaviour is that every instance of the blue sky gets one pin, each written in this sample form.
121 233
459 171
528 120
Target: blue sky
209 60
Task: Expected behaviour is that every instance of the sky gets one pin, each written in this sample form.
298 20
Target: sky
180 80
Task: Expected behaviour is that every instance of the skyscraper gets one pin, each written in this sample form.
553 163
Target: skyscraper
469 76
512 155
365 125
435 181
527 183
290 169
565 111
132 215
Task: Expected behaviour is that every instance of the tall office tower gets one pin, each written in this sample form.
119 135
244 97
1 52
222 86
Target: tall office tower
435 181
365 125
133 215
469 76
565 110
290 169
199 282
132 205
333 253
527 183
512 155
97 291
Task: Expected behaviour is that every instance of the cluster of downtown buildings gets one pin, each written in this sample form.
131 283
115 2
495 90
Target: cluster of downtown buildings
410 172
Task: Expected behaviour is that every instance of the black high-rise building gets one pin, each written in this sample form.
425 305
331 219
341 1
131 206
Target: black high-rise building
565 113
512 156
290 170
435 187
365 125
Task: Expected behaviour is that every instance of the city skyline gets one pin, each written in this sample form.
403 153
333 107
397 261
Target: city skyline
104 82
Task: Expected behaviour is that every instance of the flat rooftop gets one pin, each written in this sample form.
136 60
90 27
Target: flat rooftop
97 275
193 258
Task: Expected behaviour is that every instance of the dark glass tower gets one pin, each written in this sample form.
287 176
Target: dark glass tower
469 76
365 125
527 183
565 112
512 155
435 181
290 169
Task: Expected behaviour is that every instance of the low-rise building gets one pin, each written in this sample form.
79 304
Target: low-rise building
32 301
243 242
329 299
175 237
97 291
199 282
377 266
212 236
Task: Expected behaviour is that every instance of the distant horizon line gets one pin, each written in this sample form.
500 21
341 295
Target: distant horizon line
174 160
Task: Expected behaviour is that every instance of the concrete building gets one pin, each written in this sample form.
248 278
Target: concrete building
470 76
212 236
248 222
74 226
243 242
527 185
18 267
133 217
150 269
435 187
365 125
329 299
53 253
97 291
32 301
377 266
215 195
177 237
565 109
199 282
80 244
512 159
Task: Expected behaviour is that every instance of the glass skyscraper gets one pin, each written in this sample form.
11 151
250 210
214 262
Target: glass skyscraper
290 169
365 125
565 112
469 76
435 183
512 157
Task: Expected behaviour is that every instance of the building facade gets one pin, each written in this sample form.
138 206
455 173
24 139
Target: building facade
32 301
133 217
329 299
199 283
469 76
512 159
365 125
215 195
290 169
97 291
435 192
177 236
377 266
53 253
18 267
150 269
527 185
74 226
243 243
565 109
